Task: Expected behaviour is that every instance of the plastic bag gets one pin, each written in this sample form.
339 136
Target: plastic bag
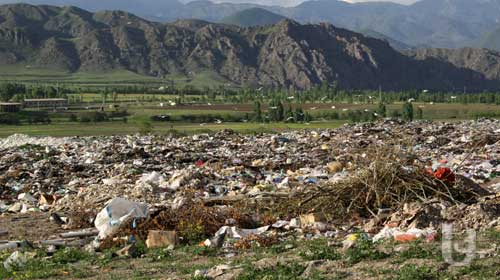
116 212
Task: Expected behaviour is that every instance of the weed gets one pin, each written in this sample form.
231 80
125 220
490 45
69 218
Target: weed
145 127
80 272
413 272
480 271
200 251
281 271
141 247
492 235
319 249
106 257
191 232
281 247
418 250
161 254
189 269
69 255
363 250
199 278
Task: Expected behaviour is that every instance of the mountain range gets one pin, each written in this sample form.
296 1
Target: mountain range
433 23
253 17
287 54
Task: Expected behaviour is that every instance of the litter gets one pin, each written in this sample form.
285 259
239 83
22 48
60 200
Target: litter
161 239
117 212
392 180
17 260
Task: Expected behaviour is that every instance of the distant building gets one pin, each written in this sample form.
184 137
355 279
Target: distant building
45 103
10 107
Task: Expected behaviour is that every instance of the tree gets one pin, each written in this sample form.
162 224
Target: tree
7 91
289 117
280 112
272 112
307 117
382 110
104 96
299 114
408 111
257 111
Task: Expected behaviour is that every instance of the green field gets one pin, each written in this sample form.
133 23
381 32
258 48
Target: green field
117 128
29 74
129 97
140 115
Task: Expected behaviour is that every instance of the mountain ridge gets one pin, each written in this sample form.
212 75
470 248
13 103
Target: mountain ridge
287 54
435 23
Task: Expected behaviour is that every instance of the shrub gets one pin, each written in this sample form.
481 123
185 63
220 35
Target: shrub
146 127
93 117
73 118
9 119
119 114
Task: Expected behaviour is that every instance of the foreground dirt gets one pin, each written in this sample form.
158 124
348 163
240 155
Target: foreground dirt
29 226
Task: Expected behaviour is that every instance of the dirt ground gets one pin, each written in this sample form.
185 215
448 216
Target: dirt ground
30 226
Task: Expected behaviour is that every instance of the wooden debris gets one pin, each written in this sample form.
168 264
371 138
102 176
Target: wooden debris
161 239
81 233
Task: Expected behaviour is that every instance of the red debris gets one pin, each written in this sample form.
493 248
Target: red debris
199 163
445 174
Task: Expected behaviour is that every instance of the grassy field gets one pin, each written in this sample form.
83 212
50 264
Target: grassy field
118 128
140 114
431 112
30 74
129 97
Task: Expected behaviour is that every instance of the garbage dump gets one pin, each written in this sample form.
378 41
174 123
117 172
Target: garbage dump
387 180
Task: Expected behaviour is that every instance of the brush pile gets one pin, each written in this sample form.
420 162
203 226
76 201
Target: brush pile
385 177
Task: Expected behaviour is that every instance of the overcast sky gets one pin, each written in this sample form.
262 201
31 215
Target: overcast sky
397 1
291 3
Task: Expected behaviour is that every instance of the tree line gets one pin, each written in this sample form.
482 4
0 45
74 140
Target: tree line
221 94
15 92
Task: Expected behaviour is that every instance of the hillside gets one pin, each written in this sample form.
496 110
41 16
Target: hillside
437 23
400 46
434 23
157 9
253 17
287 54
480 60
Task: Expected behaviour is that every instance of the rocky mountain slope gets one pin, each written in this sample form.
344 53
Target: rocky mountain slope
484 61
400 46
435 23
287 54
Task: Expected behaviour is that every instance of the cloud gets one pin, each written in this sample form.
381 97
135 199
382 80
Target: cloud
291 3
407 2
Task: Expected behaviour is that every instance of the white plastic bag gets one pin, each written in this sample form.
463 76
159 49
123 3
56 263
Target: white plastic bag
117 211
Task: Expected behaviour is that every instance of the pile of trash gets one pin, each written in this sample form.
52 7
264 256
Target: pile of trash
388 179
